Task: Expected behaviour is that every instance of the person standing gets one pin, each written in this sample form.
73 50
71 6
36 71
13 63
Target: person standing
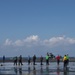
15 60
3 58
47 59
65 61
29 59
58 60
20 60
34 59
41 60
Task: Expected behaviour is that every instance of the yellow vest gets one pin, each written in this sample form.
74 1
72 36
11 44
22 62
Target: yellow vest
65 58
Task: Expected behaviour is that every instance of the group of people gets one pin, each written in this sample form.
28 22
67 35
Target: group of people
18 60
65 60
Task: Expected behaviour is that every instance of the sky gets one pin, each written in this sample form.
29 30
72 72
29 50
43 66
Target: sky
29 27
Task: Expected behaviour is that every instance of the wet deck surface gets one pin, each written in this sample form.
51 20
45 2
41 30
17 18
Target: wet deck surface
25 69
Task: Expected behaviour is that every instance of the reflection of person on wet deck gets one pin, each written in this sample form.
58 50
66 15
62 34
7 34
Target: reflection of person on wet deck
15 70
66 72
41 70
28 69
20 71
47 70
58 71
34 70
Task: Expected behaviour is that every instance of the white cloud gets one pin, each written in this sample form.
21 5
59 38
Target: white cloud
18 43
8 42
35 40
29 41
70 40
57 41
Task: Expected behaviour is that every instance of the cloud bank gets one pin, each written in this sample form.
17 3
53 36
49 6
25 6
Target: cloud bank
34 40
34 44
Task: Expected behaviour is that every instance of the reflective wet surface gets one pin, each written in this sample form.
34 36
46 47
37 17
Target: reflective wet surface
25 69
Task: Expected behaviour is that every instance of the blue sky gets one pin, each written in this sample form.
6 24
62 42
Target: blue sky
33 20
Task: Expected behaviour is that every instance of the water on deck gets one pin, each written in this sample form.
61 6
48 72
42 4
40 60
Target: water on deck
25 69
